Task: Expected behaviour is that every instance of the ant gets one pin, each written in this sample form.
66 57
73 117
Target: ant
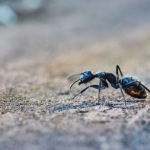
129 84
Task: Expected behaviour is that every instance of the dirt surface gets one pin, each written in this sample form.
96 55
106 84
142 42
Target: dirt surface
36 55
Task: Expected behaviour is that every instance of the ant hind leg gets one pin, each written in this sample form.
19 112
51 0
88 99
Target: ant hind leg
118 69
122 93
99 89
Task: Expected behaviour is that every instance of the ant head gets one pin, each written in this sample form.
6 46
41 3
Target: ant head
86 76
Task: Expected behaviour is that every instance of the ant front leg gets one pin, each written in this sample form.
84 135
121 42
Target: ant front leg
93 86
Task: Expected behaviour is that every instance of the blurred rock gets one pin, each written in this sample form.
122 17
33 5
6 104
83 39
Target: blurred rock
11 12
7 15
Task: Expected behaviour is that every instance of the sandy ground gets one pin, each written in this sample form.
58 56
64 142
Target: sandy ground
36 56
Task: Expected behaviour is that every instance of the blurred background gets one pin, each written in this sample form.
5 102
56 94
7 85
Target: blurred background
55 38
41 43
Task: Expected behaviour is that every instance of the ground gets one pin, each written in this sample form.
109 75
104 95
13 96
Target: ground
36 106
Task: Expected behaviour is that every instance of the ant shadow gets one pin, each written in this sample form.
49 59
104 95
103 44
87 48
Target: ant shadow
84 104
130 104
89 104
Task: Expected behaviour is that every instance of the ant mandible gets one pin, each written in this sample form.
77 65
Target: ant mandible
129 84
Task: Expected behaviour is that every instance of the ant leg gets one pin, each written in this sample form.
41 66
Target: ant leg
99 89
129 84
117 74
145 87
93 86
122 94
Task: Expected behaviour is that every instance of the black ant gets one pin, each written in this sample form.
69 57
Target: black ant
129 84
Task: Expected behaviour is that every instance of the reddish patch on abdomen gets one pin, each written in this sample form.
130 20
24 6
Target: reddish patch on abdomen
132 93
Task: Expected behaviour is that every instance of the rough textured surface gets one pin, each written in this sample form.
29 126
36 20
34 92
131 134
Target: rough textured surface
36 109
